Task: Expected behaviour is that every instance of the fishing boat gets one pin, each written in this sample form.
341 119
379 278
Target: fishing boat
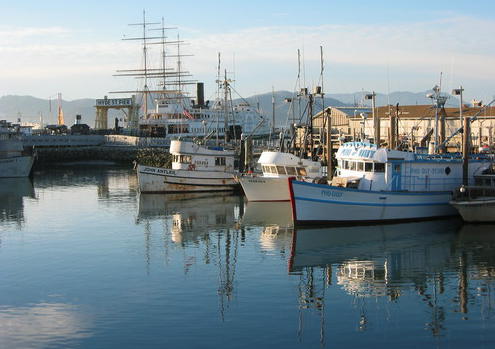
271 184
476 203
379 185
15 161
299 161
195 168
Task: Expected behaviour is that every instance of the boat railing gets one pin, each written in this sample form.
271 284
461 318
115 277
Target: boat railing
422 183
473 192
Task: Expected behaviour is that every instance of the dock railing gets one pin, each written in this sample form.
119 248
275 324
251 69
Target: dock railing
93 140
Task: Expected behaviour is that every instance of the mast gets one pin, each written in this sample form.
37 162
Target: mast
218 95
226 110
273 110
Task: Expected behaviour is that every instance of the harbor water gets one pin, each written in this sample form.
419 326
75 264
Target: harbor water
88 262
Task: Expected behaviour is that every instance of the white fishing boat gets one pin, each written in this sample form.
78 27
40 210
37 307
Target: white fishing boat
375 184
195 168
14 160
477 203
271 184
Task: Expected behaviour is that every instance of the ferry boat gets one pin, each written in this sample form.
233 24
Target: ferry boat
195 168
376 185
271 184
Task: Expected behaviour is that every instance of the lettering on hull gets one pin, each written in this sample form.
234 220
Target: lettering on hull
331 193
154 170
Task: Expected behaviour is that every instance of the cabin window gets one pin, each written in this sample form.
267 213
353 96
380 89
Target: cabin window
281 170
183 159
301 171
368 167
291 170
379 167
220 161
396 168
267 169
264 169
274 169
345 164
360 166
353 165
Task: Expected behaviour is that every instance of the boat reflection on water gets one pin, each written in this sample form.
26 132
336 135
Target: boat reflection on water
275 220
12 194
394 251
192 214
203 226
395 263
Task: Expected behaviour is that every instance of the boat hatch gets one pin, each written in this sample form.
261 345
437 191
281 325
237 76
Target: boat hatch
346 182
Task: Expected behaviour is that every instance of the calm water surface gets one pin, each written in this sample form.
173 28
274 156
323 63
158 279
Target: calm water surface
88 262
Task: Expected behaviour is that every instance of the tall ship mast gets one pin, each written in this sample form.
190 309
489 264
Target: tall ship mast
168 111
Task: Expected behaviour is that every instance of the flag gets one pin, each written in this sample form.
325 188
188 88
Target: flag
186 113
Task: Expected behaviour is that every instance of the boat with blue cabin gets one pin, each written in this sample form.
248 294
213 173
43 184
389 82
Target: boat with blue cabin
379 185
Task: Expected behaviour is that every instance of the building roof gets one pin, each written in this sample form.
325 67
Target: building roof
420 111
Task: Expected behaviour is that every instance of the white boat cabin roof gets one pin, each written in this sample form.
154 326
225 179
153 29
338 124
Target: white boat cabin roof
371 152
280 158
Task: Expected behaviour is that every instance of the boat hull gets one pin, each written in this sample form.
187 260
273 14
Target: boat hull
323 204
264 189
482 210
161 180
16 167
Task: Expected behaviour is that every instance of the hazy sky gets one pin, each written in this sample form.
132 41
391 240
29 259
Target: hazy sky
75 47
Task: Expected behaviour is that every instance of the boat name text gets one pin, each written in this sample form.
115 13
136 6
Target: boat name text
364 153
427 171
158 170
332 193
256 181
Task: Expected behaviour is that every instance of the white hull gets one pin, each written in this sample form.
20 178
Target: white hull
476 210
265 189
15 167
322 204
277 167
161 180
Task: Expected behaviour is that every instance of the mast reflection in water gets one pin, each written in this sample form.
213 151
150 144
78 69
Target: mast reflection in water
88 262
442 267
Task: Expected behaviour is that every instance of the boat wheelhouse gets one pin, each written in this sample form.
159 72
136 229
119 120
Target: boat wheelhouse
271 184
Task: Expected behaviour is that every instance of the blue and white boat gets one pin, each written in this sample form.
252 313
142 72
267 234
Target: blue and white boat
377 185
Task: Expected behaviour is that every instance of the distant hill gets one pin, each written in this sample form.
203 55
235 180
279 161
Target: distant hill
31 109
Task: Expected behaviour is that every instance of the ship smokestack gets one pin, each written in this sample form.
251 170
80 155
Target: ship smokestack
200 95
